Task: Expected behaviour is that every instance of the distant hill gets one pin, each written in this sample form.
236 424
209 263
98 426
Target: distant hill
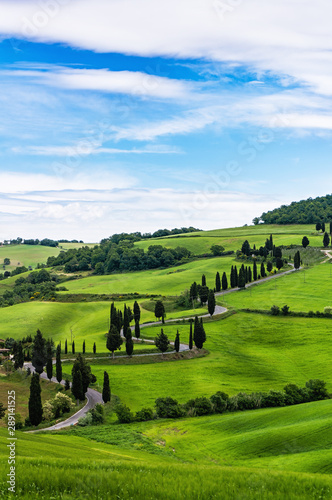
308 211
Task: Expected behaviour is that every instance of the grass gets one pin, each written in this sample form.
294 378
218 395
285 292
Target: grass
26 255
303 291
247 353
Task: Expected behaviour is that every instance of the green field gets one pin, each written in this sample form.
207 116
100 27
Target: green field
26 255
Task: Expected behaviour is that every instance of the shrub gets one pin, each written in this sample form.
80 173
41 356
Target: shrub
93 378
201 406
311 314
97 414
275 310
285 310
295 395
168 408
54 408
124 414
317 390
86 420
328 310
273 399
248 401
219 401
144 414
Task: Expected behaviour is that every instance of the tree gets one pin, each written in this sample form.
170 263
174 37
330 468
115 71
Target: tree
297 260
224 282
76 385
83 347
177 342
191 335
305 242
242 278
35 403
137 311
203 292
159 309
254 271
39 356
106 388
6 262
94 348
263 273
161 341
73 347
217 250
49 363
18 355
331 227
326 240
58 366
66 347
211 302
114 340
193 293
269 266
318 226
129 342
245 249
279 263
203 280
137 330
2 411
218 284
199 333
323 227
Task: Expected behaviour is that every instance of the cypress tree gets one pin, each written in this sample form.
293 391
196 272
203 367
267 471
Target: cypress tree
218 284
193 291
113 315
269 266
125 321
177 342
94 348
82 366
254 271
18 355
114 340
224 282
49 364
35 403
199 335
246 274
67 384
297 260
331 227
249 275
326 240
191 336
73 347
236 278
263 273
137 330
83 347
161 341
39 355
203 280
242 278
129 342
106 388
77 385
137 311
323 227
232 277
66 347
318 226
211 302
159 309
58 367
271 242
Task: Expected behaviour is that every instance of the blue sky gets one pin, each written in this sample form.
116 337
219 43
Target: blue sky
124 116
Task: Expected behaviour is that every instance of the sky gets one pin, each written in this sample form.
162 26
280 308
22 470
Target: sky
135 115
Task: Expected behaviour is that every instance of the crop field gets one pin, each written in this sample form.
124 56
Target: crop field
248 352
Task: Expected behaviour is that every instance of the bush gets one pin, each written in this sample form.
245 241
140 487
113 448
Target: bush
86 420
54 408
275 310
200 406
328 310
124 414
219 401
273 399
317 390
295 395
285 310
93 378
144 414
168 408
97 414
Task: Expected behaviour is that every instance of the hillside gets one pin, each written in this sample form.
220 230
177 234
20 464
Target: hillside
308 211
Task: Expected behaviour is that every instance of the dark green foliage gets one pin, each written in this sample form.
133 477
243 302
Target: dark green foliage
137 330
144 415
191 336
245 249
77 385
81 365
125 321
318 226
137 311
263 273
224 282
217 250
73 347
161 341
279 263
49 363
66 347
58 367
203 292
193 292
39 355
285 310
297 260
2 410
114 340
219 401
124 414
129 342
269 266
218 283
275 310
35 403
177 342
211 302
326 240
273 399
106 388
305 242
83 347
254 271
199 406
317 390
295 395
18 355
203 280
199 333
302 212
242 278
94 348
323 227
168 408
159 309
67 385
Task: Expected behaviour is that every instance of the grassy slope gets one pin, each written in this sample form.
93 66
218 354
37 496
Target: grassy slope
26 255
248 352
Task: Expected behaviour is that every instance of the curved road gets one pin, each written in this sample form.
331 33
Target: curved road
94 397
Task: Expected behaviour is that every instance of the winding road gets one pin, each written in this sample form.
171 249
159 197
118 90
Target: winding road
94 397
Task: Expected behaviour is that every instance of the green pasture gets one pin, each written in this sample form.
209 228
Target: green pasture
26 255
68 467
304 290
248 352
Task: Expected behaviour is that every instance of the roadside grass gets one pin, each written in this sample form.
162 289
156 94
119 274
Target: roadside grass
305 290
247 352
67 467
